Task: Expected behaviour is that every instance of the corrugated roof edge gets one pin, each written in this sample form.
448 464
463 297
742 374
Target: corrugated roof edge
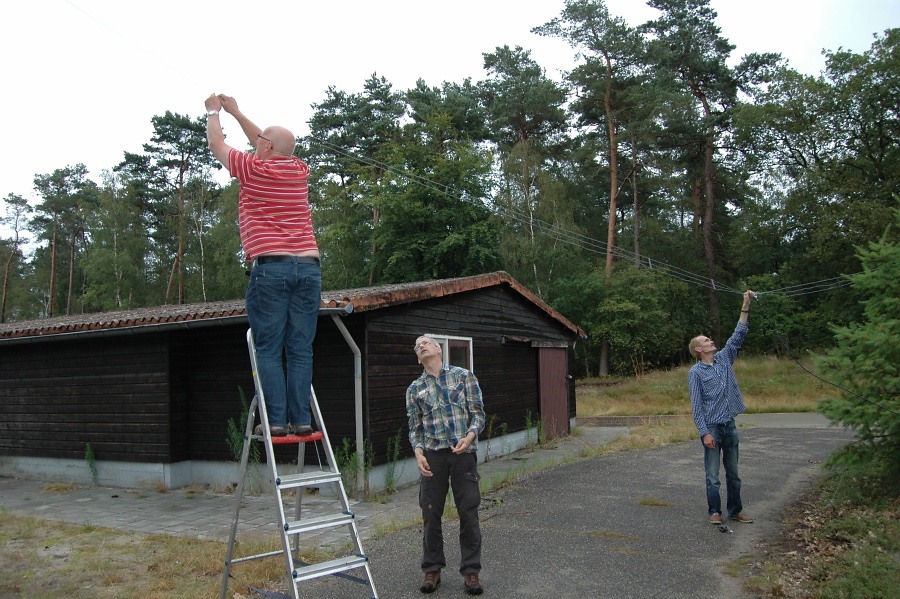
362 300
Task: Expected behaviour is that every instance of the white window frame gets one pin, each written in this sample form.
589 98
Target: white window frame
444 342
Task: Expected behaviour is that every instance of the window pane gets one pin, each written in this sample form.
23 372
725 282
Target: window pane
459 356
459 353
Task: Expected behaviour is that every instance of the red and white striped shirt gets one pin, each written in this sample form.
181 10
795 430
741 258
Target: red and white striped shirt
273 207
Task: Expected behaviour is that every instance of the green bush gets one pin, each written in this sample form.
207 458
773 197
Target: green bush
866 364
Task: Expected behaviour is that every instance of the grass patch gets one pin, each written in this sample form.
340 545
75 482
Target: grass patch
44 560
841 541
767 384
654 502
59 487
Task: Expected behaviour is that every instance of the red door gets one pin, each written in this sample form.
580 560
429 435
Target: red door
554 390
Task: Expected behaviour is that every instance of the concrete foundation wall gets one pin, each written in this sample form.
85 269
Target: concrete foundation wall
219 475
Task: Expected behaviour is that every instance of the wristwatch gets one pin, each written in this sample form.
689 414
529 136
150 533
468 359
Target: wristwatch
211 112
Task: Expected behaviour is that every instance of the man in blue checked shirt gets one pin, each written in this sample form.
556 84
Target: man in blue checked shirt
715 401
446 414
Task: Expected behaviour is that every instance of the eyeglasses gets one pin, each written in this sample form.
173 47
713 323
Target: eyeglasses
421 344
259 136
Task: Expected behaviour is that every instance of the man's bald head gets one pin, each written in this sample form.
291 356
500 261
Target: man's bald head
283 141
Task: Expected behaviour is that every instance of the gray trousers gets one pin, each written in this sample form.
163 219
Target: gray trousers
459 473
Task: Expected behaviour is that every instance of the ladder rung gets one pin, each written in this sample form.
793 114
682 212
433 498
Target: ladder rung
307 479
330 567
308 524
248 558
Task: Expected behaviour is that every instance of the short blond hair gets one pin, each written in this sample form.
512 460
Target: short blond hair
694 344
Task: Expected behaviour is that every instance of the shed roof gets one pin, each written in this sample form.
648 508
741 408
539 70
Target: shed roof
204 314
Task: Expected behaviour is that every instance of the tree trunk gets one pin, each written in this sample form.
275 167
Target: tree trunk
71 284
198 229
634 195
708 248
171 278
613 198
696 196
118 269
181 235
9 261
376 217
6 284
526 198
51 303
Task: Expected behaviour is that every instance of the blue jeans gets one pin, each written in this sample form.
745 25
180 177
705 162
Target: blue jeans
283 300
726 436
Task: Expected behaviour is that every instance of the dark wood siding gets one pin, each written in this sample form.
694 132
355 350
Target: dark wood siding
390 367
112 392
498 320
210 366
333 381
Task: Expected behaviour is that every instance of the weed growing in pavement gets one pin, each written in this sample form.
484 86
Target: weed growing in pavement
59 487
654 502
532 423
235 434
348 464
489 435
91 462
393 457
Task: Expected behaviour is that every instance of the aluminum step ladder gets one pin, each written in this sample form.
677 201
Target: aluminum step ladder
291 530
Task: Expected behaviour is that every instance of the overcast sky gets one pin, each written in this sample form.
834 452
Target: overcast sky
82 78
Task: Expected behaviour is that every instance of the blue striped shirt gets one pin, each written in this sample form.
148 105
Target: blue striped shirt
443 409
715 397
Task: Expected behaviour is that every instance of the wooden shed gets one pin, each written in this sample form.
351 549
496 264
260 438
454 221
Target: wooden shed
145 396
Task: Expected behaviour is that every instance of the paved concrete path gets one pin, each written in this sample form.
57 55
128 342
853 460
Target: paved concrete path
629 524
208 515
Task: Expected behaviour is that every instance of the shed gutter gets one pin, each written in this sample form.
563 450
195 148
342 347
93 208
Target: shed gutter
358 404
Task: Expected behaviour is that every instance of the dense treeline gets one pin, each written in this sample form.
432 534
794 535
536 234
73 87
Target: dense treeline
638 195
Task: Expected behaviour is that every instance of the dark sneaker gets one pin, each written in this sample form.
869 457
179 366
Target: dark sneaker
715 518
742 517
473 585
300 429
431 581
274 430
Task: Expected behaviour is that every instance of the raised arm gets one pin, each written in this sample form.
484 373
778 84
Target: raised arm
745 309
250 129
214 135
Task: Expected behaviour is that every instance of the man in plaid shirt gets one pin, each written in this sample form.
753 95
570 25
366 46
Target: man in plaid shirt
715 401
446 414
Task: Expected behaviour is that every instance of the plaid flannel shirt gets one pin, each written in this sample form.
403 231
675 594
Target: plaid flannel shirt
443 409
715 397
